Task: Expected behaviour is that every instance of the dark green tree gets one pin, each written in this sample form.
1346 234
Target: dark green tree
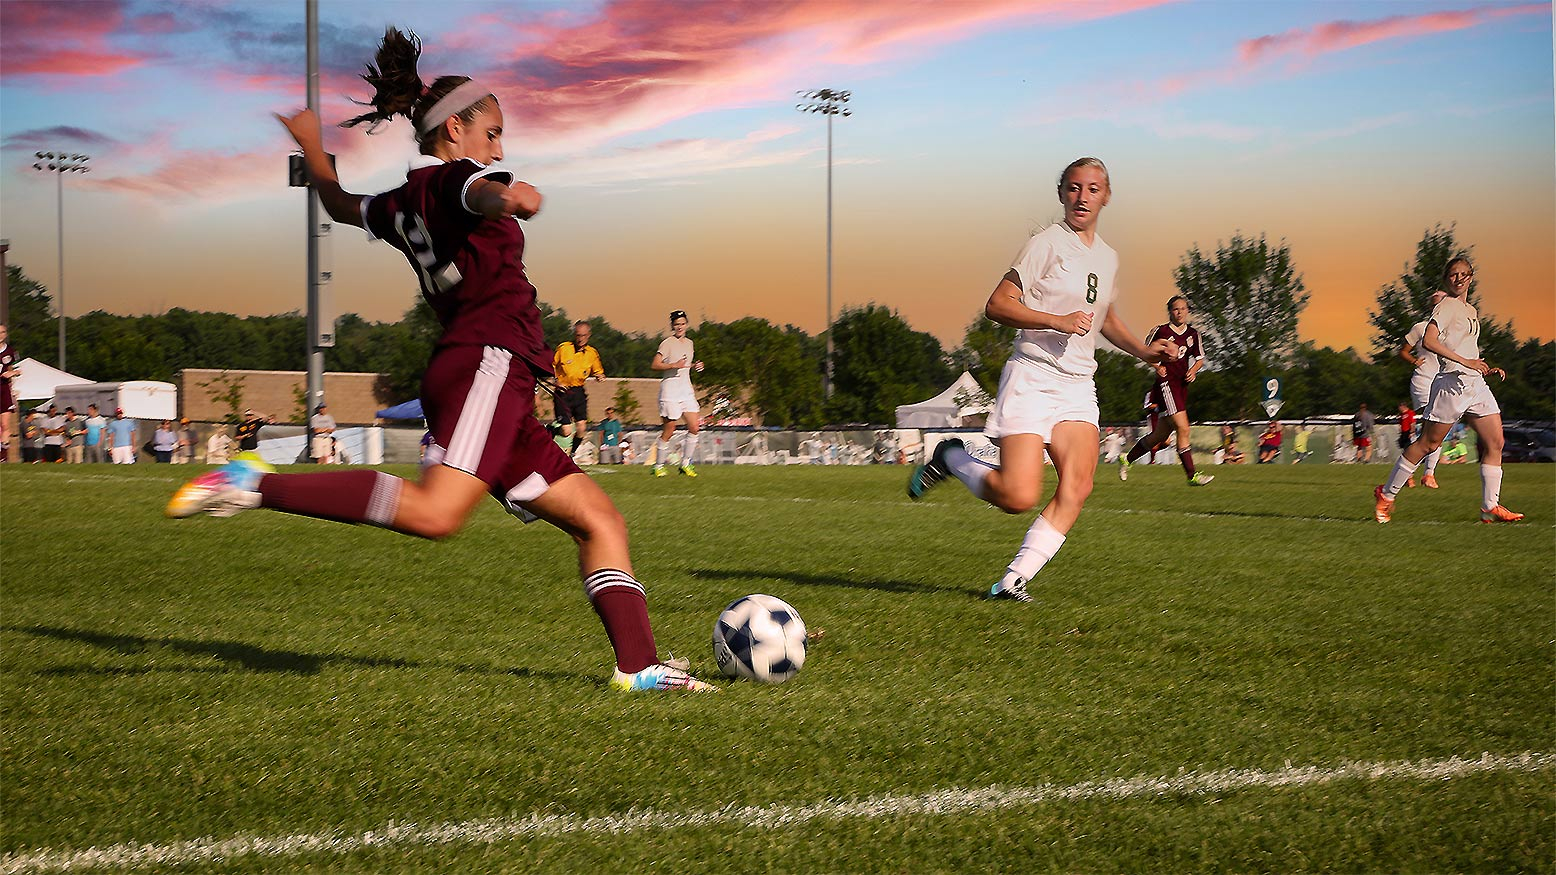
986 346
772 367
878 363
1246 299
1405 301
33 329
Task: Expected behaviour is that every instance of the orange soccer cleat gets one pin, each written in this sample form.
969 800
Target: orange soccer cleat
1500 514
1429 481
1383 511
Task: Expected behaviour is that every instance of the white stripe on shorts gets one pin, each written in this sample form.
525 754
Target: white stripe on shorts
1168 401
468 444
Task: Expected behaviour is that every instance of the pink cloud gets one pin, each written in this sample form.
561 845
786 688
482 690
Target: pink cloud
1337 36
633 65
61 39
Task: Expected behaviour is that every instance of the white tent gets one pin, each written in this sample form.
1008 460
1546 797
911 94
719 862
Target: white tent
962 398
38 380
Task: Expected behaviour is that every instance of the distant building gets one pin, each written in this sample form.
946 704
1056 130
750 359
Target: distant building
354 398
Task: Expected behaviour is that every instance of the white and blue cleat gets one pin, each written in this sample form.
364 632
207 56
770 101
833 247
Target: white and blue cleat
670 675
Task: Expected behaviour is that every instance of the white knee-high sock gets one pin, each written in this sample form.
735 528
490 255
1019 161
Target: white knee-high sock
1040 544
1490 486
965 468
1404 469
1431 461
689 449
662 452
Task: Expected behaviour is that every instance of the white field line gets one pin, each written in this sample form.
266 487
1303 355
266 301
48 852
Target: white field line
939 803
1368 521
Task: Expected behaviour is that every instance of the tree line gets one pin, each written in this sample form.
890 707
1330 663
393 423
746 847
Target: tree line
1246 296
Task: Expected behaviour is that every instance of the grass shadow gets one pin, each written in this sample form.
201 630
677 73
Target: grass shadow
241 656
897 586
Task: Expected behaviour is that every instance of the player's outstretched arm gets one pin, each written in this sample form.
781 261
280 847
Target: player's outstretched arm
1005 307
1118 334
339 203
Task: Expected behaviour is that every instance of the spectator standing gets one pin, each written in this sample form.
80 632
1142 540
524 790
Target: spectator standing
54 436
610 438
96 424
1361 433
164 442
1299 443
322 447
248 431
218 450
32 438
123 436
75 437
188 439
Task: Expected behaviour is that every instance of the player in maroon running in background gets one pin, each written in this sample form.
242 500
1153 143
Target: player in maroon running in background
8 372
1170 392
456 221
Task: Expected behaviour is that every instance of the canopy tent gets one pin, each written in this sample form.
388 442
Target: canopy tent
962 398
38 381
404 410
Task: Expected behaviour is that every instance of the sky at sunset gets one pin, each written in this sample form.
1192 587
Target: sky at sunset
678 173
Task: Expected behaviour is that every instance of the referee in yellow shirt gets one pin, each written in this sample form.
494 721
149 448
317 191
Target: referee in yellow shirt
574 363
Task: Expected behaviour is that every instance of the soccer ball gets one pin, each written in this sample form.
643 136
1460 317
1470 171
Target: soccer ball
759 638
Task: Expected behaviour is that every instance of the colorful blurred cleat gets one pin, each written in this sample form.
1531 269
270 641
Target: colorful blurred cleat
659 471
1383 510
661 676
222 492
1201 479
1429 481
1500 514
1123 467
928 475
689 470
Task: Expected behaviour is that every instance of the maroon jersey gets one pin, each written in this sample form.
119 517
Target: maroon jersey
8 360
471 268
1190 350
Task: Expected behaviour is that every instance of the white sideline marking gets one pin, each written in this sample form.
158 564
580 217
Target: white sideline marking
1207 515
939 803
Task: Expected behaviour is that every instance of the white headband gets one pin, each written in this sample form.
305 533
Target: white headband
453 103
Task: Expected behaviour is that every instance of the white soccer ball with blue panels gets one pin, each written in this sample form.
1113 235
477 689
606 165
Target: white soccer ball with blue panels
759 638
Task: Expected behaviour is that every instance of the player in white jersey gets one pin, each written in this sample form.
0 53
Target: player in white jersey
677 358
1426 366
1458 391
1059 287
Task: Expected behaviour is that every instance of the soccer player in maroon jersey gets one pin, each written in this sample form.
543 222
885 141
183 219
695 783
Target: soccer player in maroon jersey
1170 392
8 372
456 221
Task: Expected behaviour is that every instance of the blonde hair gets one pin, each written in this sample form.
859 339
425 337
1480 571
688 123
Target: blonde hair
1086 162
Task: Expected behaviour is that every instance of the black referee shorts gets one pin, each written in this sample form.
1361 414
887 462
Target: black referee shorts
572 405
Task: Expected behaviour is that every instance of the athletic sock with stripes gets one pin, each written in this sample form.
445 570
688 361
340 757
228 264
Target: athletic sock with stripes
343 496
623 608
1186 456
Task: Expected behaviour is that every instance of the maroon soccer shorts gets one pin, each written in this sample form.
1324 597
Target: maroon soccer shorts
1169 397
480 406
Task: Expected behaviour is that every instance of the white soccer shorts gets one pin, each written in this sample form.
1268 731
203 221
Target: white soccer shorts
1033 402
1456 395
676 406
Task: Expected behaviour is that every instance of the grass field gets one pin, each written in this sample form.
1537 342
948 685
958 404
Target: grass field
1249 677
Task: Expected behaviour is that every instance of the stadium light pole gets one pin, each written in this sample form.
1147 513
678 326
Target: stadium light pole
827 102
59 164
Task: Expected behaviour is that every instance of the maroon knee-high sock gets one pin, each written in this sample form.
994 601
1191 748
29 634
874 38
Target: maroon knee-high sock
623 608
344 496
1186 456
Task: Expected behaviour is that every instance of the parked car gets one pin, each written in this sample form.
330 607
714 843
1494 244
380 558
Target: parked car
1528 443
